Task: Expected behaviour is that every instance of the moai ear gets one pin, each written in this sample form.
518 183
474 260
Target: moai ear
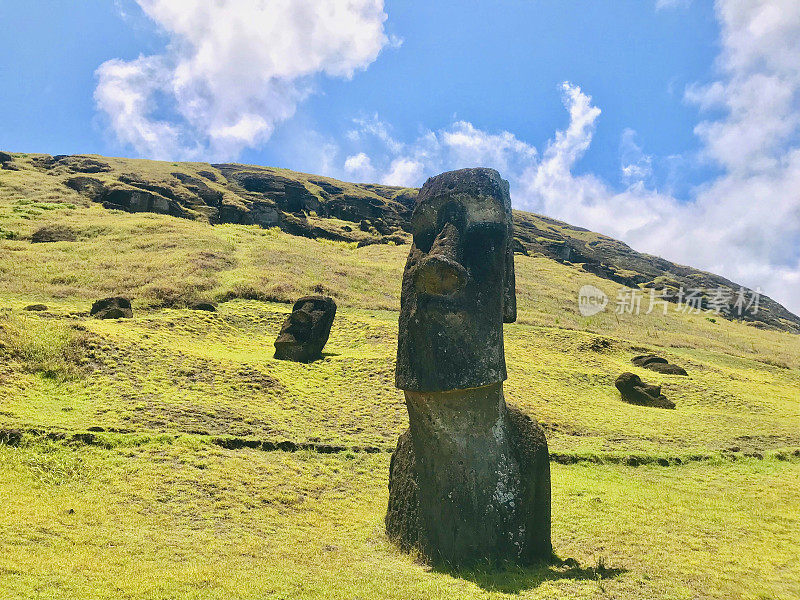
510 291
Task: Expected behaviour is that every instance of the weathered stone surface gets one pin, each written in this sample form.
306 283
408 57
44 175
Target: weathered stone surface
635 391
81 164
645 359
667 369
470 480
112 308
136 200
306 330
657 364
458 284
519 248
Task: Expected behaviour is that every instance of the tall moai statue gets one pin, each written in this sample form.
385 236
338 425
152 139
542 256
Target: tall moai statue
469 481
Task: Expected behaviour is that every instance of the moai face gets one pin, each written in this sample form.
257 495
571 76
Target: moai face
306 330
458 284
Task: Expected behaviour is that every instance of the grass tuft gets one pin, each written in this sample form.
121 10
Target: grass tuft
49 348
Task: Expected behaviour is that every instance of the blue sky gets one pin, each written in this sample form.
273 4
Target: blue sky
671 124
495 64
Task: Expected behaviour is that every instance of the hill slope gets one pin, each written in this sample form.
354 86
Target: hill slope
321 207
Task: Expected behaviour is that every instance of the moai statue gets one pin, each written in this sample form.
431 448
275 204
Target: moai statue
469 481
306 330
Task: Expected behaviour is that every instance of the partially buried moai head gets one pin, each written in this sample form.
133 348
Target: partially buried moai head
458 284
305 331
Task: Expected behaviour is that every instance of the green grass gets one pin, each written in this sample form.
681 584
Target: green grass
44 347
188 520
159 510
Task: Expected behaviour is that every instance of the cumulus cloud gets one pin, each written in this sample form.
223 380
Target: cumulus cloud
232 70
743 224
457 146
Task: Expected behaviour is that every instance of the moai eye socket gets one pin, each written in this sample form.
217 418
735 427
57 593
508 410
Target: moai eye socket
424 239
454 213
484 245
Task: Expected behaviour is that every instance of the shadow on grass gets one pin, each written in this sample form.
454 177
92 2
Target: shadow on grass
513 579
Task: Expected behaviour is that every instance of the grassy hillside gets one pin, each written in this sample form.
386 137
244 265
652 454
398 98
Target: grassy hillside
318 208
130 466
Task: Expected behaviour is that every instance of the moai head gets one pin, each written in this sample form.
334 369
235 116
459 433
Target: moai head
636 391
305 331
458 284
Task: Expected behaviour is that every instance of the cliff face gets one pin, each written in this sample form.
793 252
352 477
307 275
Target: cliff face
321 207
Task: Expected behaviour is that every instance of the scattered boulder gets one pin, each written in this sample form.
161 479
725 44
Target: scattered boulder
112 308
36 307
306 330
381 226
54 233
667 369
658 364
635 391
206 306
643 360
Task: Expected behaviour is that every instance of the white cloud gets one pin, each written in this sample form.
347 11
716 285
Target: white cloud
460 145
359 167
404 172
232 70
744 224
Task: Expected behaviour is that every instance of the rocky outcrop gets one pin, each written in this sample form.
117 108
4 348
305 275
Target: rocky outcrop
306 330
635 391
112 308
81 164
90 187
469 482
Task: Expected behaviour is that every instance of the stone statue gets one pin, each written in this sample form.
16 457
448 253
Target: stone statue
305 331
469 481
635 391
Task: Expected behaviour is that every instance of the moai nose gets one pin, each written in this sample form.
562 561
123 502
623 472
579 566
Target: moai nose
440 273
